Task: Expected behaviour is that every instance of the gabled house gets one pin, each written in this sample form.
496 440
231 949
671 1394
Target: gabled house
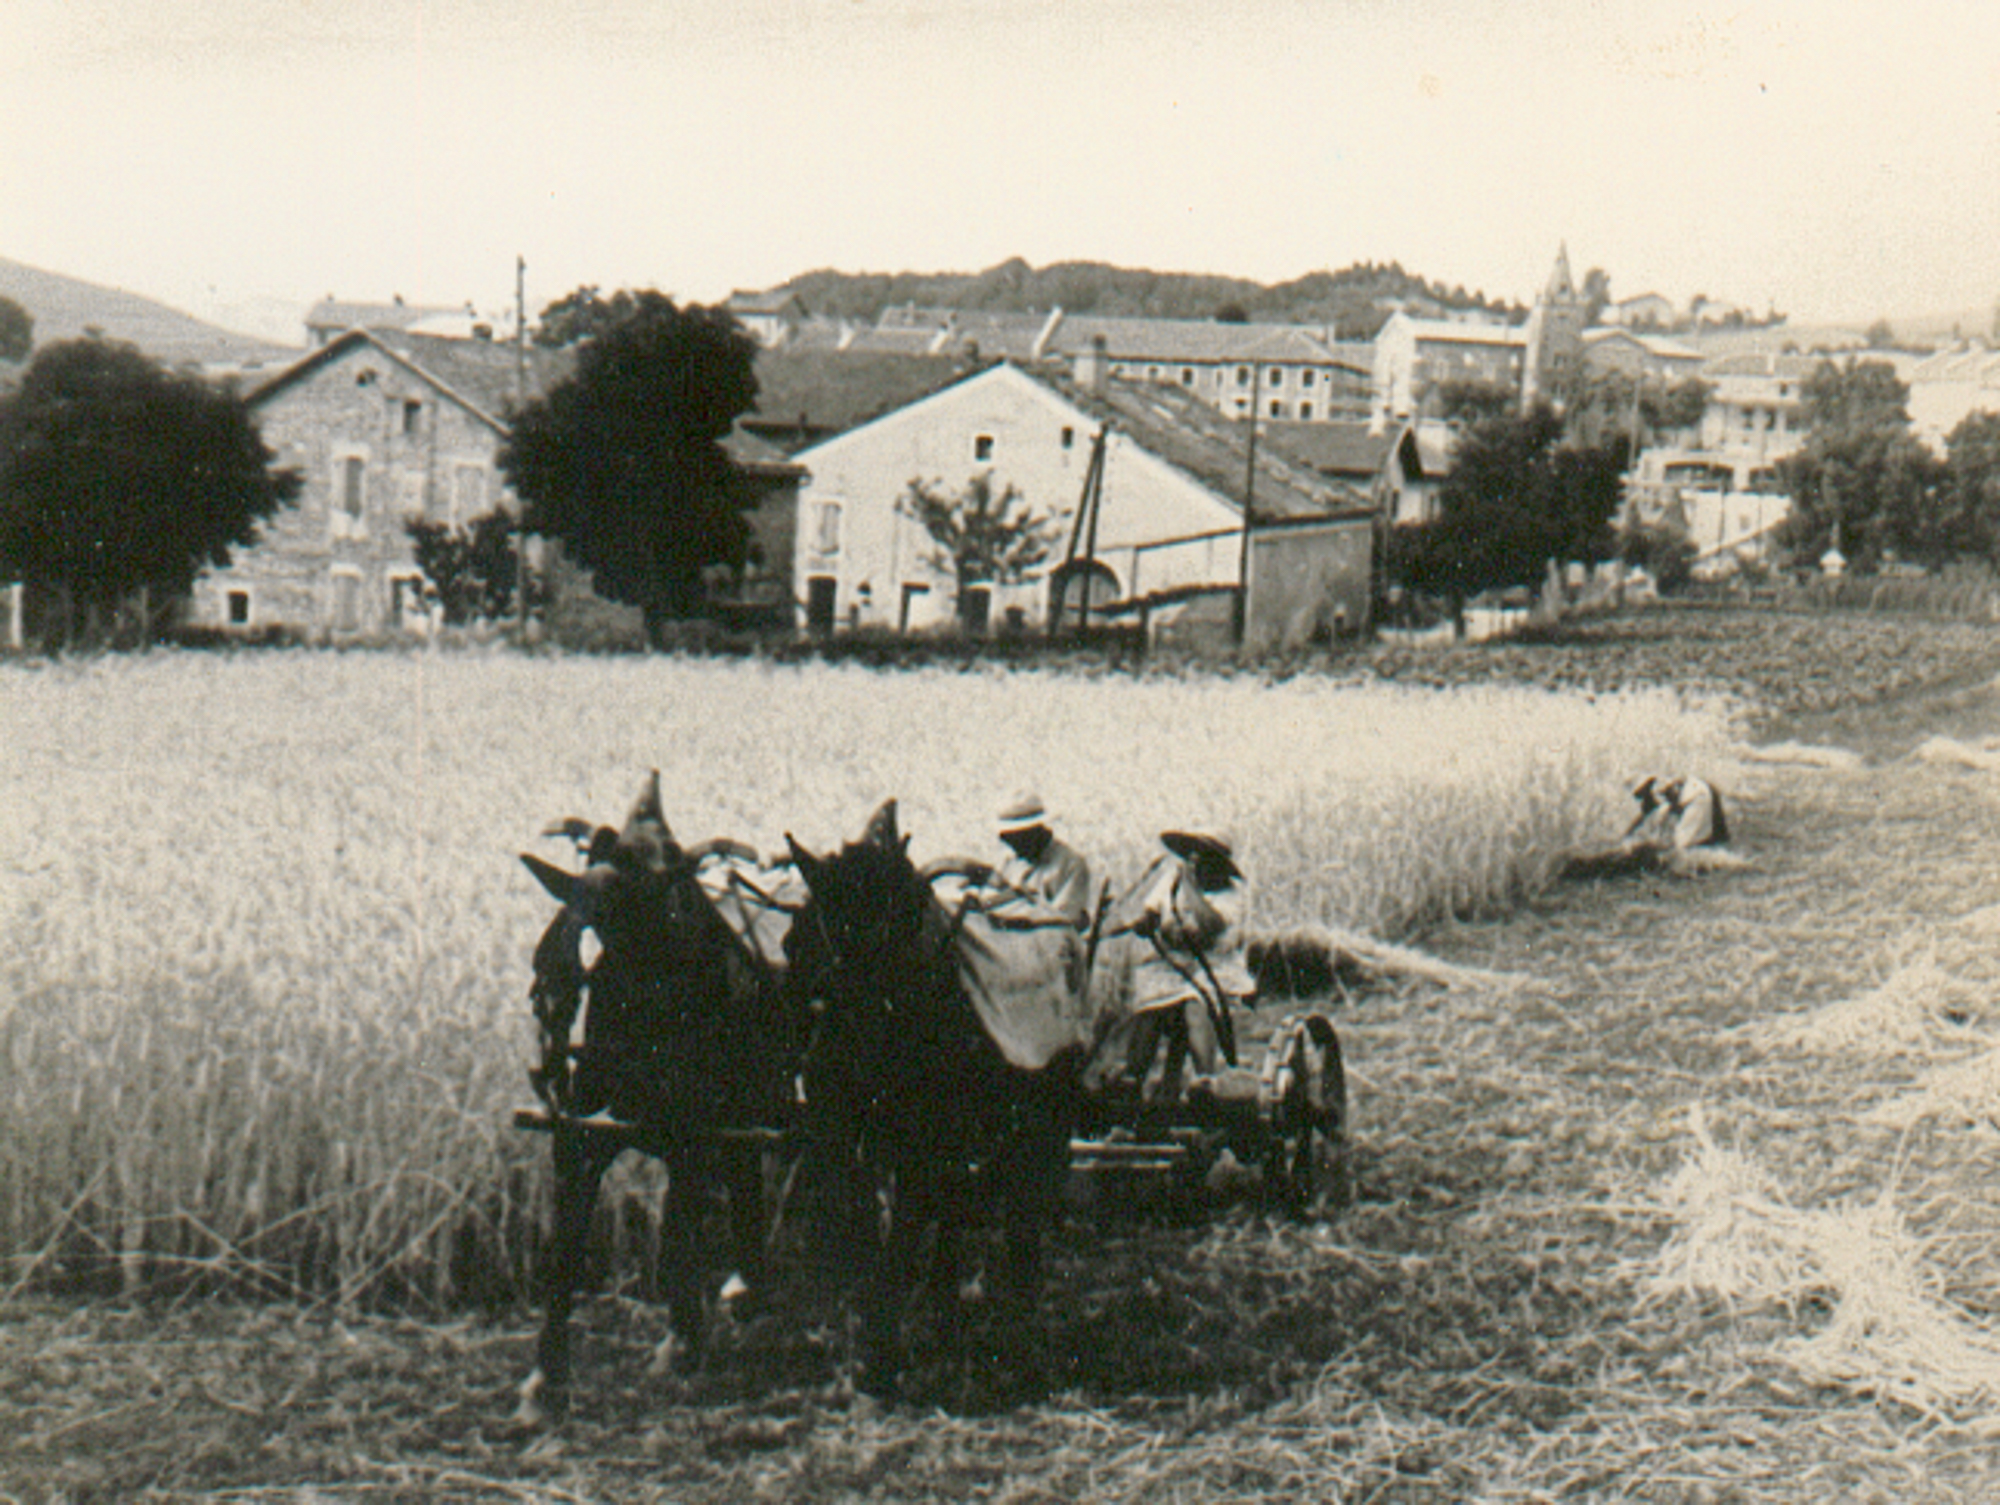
1646 355
1950 386
1156 522
1647 311
1290 372
384 428
331 317
1415 356
1384 463
767 317
809 394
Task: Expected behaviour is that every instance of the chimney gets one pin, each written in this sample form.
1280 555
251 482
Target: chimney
1093 366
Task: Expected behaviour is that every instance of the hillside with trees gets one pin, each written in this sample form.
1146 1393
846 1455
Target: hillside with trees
1354 301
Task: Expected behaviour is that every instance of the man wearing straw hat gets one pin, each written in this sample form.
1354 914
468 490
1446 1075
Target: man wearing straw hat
1192 911
1046 869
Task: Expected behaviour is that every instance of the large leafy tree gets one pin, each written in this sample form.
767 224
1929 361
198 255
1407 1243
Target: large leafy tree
1518 496
978 538
1862 477
623 462
118 477
584 314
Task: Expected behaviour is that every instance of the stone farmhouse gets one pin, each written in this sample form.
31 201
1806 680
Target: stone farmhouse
1155 524
381 426
386 426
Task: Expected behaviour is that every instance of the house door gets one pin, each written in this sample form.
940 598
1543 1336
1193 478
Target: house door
346 602
820 591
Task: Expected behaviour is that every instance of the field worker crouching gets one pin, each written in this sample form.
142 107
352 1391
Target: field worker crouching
1041 866
1694 815
1192 910
1649 826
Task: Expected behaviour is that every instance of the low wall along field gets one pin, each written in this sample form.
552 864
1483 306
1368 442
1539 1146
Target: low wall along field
264 1006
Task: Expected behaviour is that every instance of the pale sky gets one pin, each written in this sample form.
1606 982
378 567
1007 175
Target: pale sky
1837 159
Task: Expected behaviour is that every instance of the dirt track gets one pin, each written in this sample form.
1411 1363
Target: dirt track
1471 1330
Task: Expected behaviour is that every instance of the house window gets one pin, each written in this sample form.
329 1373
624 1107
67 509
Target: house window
1305 410
1068 437
1242 376
1277 410
982 447
1277 376
1306 377
1187 376
1152 373
239 608
826 527
412 411
352 486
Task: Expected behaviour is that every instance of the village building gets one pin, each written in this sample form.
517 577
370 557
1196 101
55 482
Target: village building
384 428
1150 525
1717 485
1650 357
1395 467
807 393
1647 311
1948 387
1288 372
1535 361
331 317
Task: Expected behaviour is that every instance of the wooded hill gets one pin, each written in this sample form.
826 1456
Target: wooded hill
1354 301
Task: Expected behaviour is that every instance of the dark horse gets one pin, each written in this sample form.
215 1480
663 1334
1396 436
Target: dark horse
684 1042
905 1085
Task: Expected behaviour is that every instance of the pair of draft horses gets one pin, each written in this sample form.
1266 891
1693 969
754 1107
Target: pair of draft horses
863 1037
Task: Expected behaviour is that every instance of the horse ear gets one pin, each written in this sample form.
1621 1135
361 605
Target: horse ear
560 884
881 830
809 866
646 830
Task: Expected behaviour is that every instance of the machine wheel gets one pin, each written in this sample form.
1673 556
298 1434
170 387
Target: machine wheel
1305 1102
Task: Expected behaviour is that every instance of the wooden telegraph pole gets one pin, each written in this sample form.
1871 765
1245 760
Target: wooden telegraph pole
1242 623
1084 532
521 401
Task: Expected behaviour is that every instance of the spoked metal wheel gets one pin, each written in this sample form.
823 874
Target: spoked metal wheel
1303 1099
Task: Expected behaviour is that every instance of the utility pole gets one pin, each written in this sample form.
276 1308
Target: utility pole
521 581
1242 622
1084 531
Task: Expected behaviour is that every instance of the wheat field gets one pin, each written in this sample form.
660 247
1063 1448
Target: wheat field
263 1010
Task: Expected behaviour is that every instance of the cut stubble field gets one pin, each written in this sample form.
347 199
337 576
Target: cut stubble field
1588 1257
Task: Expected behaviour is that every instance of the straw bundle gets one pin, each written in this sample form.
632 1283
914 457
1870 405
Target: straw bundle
1981 923
1798 754
1734 1237
1890 1333
1918 1007
1963 1092
1983 755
